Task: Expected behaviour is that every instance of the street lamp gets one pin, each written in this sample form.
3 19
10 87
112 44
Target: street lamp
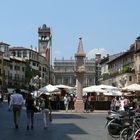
37 82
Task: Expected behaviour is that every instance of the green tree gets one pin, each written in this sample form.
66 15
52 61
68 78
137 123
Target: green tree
30 73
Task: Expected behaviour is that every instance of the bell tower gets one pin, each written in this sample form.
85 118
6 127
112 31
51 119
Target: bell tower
44 42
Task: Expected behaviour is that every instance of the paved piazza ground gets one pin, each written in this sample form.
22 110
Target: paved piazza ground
65 126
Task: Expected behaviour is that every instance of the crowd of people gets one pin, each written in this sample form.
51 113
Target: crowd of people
125 103
16 102
69 102
41 104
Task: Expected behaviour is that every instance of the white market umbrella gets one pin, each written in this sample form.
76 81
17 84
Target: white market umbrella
110 90
64 86
128 94
69 89
49 88
113 93
132 87
92 89
107 87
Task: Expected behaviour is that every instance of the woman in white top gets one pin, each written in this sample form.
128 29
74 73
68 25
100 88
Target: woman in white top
122 104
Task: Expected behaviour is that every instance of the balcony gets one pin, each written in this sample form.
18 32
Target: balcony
114 73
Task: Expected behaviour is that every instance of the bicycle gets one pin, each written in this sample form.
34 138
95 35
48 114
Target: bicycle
128 133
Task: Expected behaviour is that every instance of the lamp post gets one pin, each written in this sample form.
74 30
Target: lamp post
37 82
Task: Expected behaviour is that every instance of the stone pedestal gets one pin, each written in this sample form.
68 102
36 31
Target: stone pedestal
79 106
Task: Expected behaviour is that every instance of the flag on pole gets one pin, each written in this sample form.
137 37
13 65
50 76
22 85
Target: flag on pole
48 49
49 45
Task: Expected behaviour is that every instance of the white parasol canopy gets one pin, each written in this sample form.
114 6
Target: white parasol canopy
107 87
132 87
93 89
69 89
113 93
49 88
64 86
111 90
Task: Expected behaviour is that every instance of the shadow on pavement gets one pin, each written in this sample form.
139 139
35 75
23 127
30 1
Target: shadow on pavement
68 116
57 130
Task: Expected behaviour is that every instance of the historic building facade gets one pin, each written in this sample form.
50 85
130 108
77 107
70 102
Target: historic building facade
122 69
5 61
35 64
1 70
64 71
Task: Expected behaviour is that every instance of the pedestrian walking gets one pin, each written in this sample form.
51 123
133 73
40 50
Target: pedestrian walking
16 102
74 100
118 104
29 103
71 102
122 104
46 110
126 104
8 98
86 100
66 102
58 102
113 104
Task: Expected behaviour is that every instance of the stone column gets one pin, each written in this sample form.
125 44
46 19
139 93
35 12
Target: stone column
80 79
79 71
79 105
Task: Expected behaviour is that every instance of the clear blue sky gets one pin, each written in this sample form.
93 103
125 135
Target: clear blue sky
112 25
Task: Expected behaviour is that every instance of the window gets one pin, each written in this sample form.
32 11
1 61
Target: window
66 81
11 67
39 68
34 64
14 53
22 77
17 68
30 54
24 53
130 78
43 75
19 54
23 69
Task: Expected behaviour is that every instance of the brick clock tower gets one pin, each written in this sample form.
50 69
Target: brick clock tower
44 42
79 71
